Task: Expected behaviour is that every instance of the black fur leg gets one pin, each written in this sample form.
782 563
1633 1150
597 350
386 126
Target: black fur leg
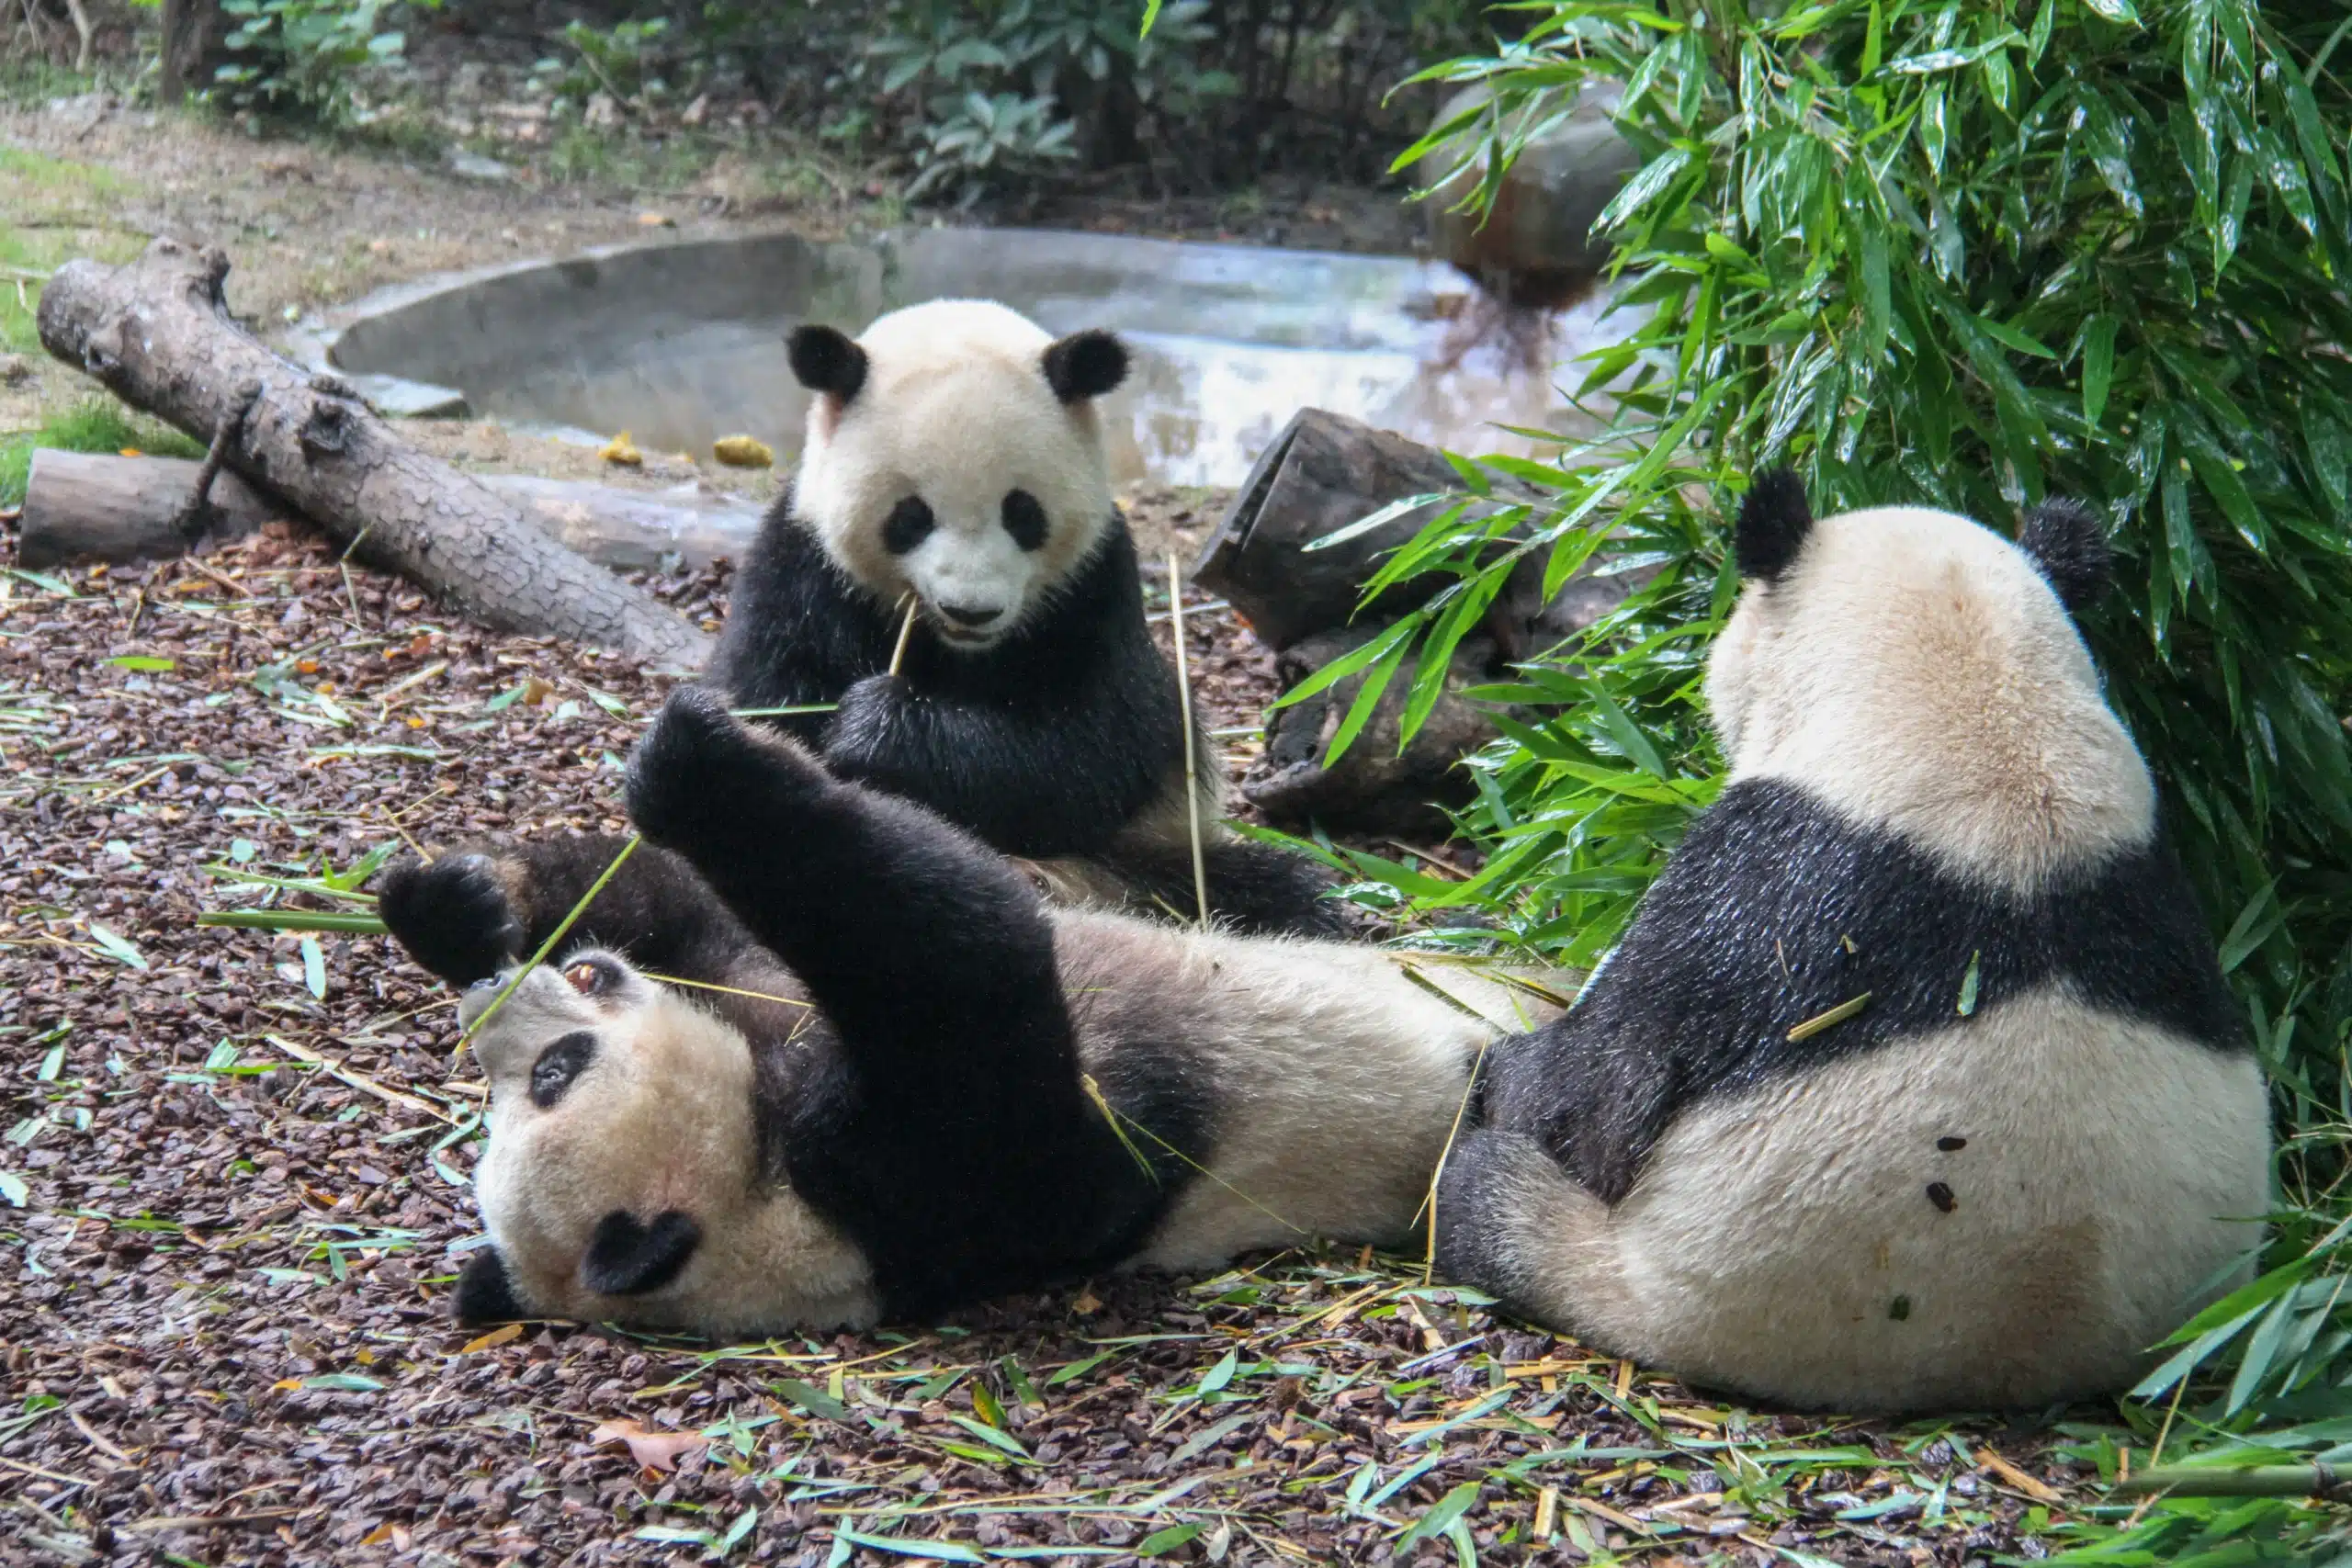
898 924
484 1293
699 769
452 917
1254 889
1475 1205
471 914
627 1259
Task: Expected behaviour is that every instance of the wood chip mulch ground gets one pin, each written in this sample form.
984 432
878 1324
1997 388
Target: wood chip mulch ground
232 1196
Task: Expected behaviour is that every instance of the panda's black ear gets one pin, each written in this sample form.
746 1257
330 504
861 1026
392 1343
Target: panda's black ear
1773 522
1085 365
827 360
626 1259
2068 543
484 1293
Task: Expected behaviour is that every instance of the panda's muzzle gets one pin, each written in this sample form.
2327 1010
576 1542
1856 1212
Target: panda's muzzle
970 615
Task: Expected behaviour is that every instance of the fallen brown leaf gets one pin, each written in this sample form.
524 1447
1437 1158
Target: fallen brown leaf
652 1449
2032 1486
495 1338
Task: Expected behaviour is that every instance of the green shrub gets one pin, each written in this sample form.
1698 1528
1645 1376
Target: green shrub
1973 253
301 56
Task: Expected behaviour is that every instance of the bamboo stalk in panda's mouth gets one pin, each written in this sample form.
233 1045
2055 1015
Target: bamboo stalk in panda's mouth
906 630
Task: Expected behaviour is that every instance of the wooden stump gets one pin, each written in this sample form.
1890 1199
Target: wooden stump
158 334
98 506
1323 473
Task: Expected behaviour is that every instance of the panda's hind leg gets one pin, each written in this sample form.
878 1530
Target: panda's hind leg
453 916
1510 1222
1254 889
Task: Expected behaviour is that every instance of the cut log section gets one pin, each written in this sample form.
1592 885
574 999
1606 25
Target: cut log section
99 506
157 334
1375 787
96 506
1324 472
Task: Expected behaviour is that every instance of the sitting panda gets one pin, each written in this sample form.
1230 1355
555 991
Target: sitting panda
953 452
824 1059
1913 1084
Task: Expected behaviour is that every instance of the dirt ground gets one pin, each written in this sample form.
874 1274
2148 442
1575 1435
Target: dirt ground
235 1199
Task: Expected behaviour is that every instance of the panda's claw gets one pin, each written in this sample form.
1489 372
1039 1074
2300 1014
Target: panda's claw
452 917
699 771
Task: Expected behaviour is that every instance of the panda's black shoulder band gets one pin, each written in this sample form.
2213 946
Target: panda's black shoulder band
827 360
1773 522
2069 546
1085 365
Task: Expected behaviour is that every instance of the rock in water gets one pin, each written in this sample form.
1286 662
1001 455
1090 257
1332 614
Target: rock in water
1537 248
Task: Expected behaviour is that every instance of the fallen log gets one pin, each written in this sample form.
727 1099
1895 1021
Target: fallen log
157 334
627 529
102 506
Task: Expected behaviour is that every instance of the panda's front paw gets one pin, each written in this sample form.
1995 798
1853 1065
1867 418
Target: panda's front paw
452 917
699 773
866 721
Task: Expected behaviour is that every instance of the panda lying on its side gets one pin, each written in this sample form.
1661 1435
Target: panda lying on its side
954 451
884 1106
2040 1136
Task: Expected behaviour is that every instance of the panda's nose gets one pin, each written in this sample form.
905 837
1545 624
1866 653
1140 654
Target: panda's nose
963 614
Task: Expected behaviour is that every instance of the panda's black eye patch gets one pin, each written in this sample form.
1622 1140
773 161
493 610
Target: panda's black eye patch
1024 519
908 524
559 1065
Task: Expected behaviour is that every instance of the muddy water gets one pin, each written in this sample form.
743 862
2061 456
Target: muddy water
680 343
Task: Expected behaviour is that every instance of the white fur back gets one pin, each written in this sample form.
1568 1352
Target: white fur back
1783 1242
957 410
1912 669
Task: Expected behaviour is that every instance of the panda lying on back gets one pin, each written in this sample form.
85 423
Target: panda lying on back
954 452
2041 1135
876 1092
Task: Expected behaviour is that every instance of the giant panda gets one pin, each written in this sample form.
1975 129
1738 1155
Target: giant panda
1913 1083
821 1058
953 452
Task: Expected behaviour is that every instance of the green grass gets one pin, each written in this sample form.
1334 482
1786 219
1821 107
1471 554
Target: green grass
38 172
54 211
97 424
63 199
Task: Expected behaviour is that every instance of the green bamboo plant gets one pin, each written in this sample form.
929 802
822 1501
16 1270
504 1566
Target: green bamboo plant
1969 254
